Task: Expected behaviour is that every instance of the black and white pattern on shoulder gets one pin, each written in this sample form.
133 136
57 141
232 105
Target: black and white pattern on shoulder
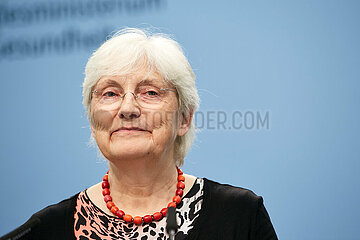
189 208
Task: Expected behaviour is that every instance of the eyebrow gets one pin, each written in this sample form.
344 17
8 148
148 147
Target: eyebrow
109 82
143 82
148 81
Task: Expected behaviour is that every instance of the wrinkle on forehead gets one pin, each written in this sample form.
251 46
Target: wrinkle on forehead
135 66
132 82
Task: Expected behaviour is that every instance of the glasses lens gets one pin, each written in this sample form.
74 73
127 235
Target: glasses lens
150 96
146 96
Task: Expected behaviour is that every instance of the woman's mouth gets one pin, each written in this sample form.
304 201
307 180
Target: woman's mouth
130 130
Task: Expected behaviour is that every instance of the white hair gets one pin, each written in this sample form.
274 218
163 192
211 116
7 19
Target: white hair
132 49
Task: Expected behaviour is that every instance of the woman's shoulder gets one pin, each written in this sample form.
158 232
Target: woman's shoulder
240 211
52 222
226 194
58 209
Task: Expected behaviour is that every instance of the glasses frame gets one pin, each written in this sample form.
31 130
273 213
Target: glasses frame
135 96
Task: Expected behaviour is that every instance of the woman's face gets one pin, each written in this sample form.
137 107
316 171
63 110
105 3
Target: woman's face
127 127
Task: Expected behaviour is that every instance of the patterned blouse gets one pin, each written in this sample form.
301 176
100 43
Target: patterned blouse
92 223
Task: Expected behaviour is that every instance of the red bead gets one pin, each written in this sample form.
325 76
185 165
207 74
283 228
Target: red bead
181 185
172 204
180 172
137 220
106 191
120 213
179 192
107 172
107 198
128 218
147 218
105 184
106 177
177 199
110 204
181 178
157 216
114 209
164 212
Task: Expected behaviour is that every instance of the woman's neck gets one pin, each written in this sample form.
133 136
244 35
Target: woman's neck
95 195
142 186
141 179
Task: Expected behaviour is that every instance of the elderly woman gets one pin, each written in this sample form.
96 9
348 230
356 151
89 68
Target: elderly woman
140 95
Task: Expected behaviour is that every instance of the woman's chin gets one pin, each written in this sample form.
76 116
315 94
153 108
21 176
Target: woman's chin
129 150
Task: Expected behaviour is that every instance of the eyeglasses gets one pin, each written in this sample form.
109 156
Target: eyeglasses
150 97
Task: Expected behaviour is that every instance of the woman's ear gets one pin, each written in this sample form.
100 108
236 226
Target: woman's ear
185 122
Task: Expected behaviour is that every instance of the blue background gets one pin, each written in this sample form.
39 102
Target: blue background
298 61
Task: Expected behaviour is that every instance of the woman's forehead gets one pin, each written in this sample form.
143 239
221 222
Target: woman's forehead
132 79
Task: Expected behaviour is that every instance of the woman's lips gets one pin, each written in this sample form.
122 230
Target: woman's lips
130 130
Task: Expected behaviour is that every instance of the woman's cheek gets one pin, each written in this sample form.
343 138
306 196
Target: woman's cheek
160 119
102 120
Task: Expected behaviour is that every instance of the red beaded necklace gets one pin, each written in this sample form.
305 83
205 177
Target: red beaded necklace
147 218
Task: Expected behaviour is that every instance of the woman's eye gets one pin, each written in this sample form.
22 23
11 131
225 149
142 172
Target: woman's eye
109 94
151 93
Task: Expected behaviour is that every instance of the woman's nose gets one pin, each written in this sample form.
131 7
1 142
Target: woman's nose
129 108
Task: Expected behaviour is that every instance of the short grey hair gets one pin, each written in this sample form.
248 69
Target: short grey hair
131 49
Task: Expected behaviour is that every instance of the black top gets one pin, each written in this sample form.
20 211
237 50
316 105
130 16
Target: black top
227 213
